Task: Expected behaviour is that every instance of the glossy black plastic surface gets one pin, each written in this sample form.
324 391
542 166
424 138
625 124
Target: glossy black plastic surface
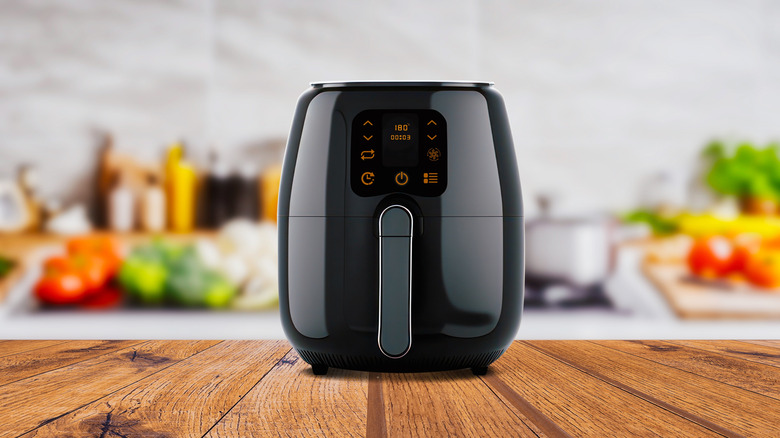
418 167
467 257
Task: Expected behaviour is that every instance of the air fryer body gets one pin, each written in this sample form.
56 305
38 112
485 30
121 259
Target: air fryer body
389 187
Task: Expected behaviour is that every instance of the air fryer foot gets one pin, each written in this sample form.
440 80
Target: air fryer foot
479 371
319 369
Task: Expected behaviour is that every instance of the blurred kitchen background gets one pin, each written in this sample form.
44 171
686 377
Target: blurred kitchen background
140 144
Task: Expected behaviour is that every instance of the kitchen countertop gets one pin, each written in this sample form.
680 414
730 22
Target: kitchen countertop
641 312
262 388
21 246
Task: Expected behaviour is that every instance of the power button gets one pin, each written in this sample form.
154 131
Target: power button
401 178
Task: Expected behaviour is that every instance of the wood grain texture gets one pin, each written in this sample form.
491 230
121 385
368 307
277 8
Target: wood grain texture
32 402
423 404
582 405
262 388
30 363
766 343
734 371
376 425
539 423
8 348
754 353
291 401
723 408
186 399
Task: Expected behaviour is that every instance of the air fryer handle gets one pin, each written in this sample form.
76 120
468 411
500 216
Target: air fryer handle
395 281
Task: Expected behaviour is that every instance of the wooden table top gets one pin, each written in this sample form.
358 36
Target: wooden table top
262 388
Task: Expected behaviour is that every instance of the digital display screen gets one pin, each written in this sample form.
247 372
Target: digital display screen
400 140
398 151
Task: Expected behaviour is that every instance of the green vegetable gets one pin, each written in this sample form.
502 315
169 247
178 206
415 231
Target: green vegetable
144 276
750 172
661 225
191 284
5 266
162 272
219 293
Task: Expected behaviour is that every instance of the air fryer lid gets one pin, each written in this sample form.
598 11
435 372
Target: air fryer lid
343 177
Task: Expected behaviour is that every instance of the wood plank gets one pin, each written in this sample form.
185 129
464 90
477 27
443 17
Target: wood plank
454 403
533 418
34 401
712 404
8 348
583 405
30 363
753 353
760 378
186 399
291 401
766 343
376 424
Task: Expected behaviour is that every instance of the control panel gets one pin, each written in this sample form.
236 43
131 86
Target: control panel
399 151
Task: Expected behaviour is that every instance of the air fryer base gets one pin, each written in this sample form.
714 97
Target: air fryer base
476 361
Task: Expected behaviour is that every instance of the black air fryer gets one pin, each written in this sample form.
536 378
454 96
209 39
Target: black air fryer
400 227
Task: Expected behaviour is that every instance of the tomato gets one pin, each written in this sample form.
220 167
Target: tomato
745 246
711 257
60 288
56 264
94 244
763 269
90 264
94 271
106 298
103 247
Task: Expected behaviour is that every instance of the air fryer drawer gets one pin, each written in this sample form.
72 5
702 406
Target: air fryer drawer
458 293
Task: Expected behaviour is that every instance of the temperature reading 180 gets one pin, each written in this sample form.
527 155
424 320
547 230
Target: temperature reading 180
399 139
402 127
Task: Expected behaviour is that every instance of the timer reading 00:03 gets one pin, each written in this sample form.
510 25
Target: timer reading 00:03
400 127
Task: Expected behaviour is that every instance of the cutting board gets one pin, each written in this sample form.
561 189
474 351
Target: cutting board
695 299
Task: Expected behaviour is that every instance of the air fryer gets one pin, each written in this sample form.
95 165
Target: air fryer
400 227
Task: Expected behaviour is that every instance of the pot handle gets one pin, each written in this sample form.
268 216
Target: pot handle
395 281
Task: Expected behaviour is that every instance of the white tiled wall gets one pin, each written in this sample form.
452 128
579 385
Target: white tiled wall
601 94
